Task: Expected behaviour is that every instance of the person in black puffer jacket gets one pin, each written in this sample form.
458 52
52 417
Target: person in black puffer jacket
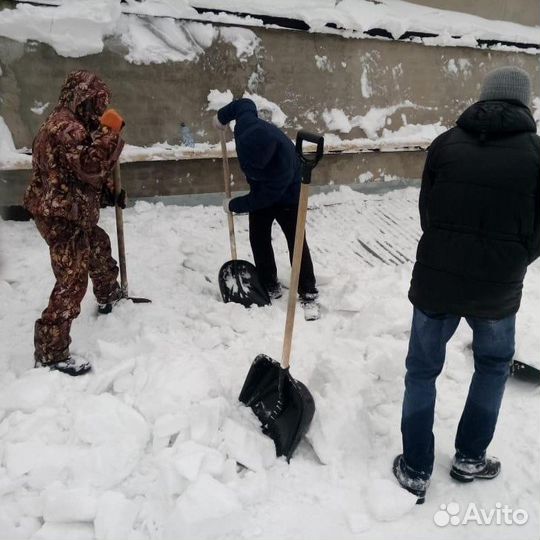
268 159
480 216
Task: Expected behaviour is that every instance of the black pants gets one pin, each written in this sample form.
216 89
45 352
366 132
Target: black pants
260 237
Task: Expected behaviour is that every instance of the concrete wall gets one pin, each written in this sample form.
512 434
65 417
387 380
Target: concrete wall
519 11
156 98
304 73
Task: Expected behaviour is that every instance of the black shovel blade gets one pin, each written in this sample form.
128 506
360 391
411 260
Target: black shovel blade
261 393
137 300
525 372
239 283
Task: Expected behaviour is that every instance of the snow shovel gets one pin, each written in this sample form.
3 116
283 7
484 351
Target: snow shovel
121 245
284 405
525 372
238 279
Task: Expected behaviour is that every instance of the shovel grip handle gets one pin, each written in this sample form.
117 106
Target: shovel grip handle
309 161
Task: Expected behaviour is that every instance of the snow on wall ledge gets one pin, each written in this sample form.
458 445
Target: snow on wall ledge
78 28
411 137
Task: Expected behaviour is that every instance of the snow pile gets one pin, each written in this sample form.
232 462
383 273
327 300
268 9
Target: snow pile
409 137
244 41
271 111
154 443
161 40
157 40
276 115
9 156
76 28
372 122
218 99
536 111
352 18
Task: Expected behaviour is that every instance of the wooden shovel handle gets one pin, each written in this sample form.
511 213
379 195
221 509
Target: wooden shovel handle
120 232
227 182
295 274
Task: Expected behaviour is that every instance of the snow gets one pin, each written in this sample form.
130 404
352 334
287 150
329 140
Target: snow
372 122
536 110
78 28
218 99
9 157
407 137
245 41
115 515
276 115
39 107
68 505
146 447
353 17
65 531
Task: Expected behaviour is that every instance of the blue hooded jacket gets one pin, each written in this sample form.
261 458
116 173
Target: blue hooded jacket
267 157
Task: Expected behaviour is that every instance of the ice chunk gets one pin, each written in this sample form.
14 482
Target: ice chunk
31 391
191 459
115 516
207 499
248 446
206 418
21 458
65 531
69 505
359 522
104 419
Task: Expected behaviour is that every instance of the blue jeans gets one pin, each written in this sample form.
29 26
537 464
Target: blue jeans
493 348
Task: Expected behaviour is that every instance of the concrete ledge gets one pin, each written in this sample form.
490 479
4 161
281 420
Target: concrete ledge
156 179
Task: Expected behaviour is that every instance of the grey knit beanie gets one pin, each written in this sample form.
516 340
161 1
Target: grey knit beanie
507 83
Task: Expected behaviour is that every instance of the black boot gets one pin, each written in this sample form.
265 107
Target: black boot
73 366
106 308
415 484
466 469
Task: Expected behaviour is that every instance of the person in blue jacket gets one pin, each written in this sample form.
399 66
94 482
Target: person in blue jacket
268 159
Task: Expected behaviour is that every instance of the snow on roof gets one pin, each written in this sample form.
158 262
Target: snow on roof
77 27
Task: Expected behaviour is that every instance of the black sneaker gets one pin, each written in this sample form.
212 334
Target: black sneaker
312 308
466 470
415 485
73 366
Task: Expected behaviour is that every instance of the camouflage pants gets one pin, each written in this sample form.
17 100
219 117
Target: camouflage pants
75 253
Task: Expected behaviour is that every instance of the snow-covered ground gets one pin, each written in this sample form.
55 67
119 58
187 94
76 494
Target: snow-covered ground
147 446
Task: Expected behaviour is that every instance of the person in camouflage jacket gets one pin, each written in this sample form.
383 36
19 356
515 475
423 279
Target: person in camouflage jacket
72 160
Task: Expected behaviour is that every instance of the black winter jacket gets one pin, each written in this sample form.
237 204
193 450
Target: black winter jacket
480 213
267 158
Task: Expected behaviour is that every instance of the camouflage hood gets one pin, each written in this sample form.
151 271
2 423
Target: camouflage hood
86 96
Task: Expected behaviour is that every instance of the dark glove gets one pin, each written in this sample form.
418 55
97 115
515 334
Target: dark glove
121 199
109 199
